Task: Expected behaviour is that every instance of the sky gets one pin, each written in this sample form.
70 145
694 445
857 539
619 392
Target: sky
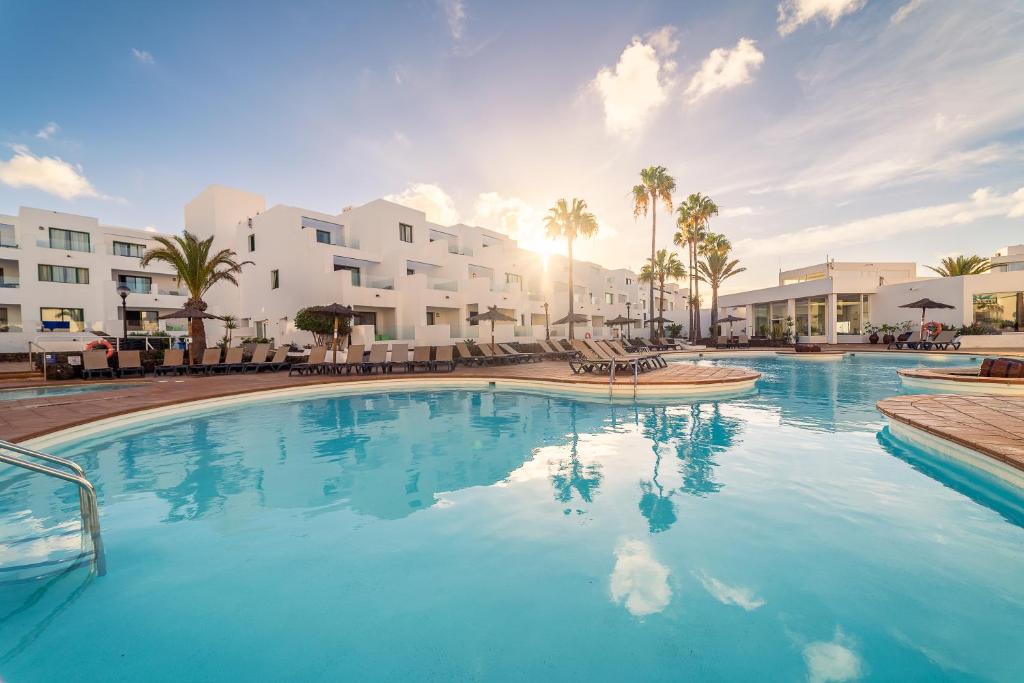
853 129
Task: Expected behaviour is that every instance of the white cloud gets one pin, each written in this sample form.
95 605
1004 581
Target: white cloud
724 69
834 660
736 211
904 10
730 595
510 215
431 200
142 56
639 83
638 580
795 13
48 131
49 174
455 12
984 203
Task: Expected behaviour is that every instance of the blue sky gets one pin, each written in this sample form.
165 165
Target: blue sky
863 129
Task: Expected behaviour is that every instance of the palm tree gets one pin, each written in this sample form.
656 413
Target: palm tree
665 265
198 270
570 223
952 266
716 268
694 215
655 184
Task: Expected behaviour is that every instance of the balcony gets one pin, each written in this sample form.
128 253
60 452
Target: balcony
9 282
66 246
154 296
443 285
349 243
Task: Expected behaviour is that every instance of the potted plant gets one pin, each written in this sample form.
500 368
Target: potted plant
873 331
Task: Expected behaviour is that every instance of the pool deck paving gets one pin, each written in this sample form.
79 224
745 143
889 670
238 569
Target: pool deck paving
28 418
992 425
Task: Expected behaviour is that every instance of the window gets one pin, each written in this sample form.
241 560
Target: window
351 269
590 295
762 323
999 310
852 313
68 274
622 298
139 284
629 280
323 237
128 249
405 232
275 279
72 240
431 318
609 298
515 280
69 319
252 242
141 321
810 317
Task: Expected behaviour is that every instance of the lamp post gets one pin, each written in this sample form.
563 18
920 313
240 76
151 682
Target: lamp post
547 326
123 291
628 304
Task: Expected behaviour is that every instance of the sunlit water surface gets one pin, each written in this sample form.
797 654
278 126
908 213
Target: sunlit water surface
502 536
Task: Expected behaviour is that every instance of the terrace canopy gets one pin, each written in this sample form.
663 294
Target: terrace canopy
339 311
925 305
189 313
494 315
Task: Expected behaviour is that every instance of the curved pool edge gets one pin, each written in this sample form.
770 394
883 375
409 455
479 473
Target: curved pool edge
951 450
592 391
934 381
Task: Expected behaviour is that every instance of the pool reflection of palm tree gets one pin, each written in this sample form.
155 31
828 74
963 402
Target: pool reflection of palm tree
572 478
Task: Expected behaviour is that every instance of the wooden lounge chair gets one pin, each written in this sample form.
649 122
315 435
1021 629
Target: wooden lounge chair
943 340
232 362
314 363
551 351
95 363
655 358
210 359
743 341
908 340
129 363
586 360
444 356
378 360
174 362
670 343
258 360
506 351
353 359
638 362
278 362
420 358
530 357
399 357
490 356
466 356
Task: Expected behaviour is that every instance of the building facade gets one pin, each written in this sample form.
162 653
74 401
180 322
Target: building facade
407 278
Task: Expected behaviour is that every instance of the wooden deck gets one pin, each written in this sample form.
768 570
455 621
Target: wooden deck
992 425
28 418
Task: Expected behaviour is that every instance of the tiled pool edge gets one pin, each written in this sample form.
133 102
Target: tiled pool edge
620 392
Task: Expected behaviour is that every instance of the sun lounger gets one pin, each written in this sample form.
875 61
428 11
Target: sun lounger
95 363
210 359
420 359
655 358
586 360
670 343
399 357
466 356
129 363
909 340
378 360
743 341
174 362
279 361
515 356
232 362
640 363
259 358
551 351
444 358
490 356
353 359
943 340
314 363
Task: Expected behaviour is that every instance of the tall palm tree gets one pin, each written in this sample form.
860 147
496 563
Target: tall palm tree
655 184
570 222
198 270
952 266
716 268
665 265
692 221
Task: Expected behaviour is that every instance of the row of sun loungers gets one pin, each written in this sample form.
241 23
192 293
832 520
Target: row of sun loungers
380 359
913 340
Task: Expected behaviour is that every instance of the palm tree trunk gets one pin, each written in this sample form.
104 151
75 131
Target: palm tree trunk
572 293
693 276
696 295
654 227
714 307
198 332
661 306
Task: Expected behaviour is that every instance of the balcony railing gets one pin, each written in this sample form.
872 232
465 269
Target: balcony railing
65 246
350 243
455 249
8 244
10 327
9 283
153 289
443 285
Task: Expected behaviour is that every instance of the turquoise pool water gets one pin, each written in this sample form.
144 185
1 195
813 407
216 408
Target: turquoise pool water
464 535
60 390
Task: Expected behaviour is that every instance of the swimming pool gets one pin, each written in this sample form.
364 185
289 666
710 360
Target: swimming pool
514 536
60 390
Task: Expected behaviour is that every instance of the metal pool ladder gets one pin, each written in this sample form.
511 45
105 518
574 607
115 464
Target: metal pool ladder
22 457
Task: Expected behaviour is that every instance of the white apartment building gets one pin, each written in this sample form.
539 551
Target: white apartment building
59 275
408 279
835 302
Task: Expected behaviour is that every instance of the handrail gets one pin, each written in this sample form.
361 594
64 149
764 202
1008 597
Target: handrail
86 491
